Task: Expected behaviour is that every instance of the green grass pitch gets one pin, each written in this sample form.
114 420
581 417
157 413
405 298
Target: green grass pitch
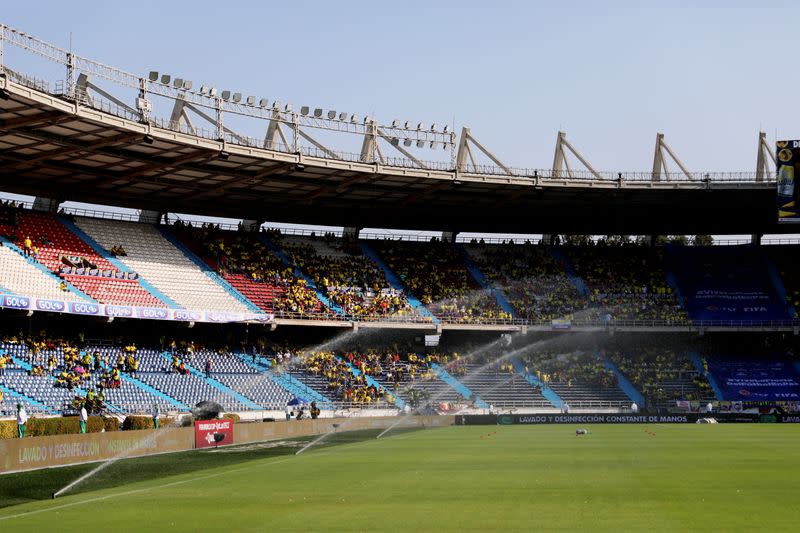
475 478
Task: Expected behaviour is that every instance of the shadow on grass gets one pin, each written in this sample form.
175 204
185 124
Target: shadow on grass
35 485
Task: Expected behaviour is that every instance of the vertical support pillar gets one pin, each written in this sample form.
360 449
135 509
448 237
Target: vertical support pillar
47 205
658 158
755 239
449 236
351 232
558 156
147 216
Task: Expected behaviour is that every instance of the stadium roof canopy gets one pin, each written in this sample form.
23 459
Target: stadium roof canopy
67 145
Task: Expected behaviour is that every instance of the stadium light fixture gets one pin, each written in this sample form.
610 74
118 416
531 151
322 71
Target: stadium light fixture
304 110
394 141
317 113
407 143
288 108
153 75
395 123
204 89
226 95
237 97
148 139
367 120
446 129
354 118
420 126
433 127
187 85
420 144
276 105
165 79
331 115
264 102
212 91
343 116
224 155
251 100
407 125
177 83
433 145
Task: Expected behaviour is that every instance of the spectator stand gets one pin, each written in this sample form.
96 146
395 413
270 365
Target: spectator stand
398 401
701 368
479 277
222 388
457 386
396 283
624 384
216 278
39 266
11 397
280 254
285 379
549 394
122 267
75 391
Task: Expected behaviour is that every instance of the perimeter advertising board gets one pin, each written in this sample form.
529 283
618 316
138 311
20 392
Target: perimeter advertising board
788 163
208 433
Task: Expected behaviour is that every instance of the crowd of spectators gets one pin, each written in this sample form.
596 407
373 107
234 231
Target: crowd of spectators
348 278
342 382
435 272
533 280
242 253
662 375
573 368
626 283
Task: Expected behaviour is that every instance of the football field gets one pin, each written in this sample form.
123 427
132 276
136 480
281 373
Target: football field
733 477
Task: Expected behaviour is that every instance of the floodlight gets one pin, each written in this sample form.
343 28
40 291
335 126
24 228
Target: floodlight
204 89
342 116
212 91
420 144
153 75
288 108
353 118
226 95
187 85
446 129
331 115
444 146
407 125
394 123
433 145
264 102
224 155
177 83
304 110
165 79
318 112
407 142
251 100
148 139
394 141
367 120
420 126
433 127
276 105
237 97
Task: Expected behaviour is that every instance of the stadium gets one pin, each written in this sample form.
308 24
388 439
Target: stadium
223 310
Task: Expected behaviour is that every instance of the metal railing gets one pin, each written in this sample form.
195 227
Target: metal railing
130 82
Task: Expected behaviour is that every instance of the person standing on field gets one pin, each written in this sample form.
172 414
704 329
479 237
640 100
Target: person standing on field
22 420
84 418
156 415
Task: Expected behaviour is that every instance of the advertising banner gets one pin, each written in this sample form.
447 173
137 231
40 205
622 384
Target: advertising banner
16 301
754 380
210 433
600 418
788 163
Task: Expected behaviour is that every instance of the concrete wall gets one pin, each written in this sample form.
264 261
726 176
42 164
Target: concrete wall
60 450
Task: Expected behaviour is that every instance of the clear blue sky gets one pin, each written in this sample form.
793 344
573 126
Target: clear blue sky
611 74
